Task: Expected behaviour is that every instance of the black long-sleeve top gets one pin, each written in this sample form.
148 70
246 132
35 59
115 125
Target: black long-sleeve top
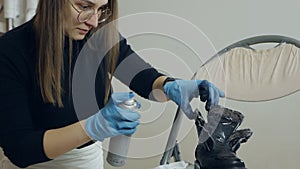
24 117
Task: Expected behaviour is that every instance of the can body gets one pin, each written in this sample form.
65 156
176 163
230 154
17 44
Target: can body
118 149
119 145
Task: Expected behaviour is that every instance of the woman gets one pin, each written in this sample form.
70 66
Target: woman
39 126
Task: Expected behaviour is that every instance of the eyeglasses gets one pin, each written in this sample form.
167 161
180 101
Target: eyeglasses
103 13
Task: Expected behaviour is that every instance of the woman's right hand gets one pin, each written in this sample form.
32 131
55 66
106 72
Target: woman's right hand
113 120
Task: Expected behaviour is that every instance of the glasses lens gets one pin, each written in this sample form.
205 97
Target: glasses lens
85 15
104 15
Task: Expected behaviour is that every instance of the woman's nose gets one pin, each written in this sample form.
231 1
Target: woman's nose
93 21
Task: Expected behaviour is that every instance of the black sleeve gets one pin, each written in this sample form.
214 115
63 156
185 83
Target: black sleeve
22 143
133 71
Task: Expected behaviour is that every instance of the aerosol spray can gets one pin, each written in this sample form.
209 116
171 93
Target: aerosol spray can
118 146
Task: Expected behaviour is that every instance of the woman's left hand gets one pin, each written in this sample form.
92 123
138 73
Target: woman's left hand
183 91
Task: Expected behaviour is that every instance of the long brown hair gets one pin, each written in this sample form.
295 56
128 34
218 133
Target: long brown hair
49 26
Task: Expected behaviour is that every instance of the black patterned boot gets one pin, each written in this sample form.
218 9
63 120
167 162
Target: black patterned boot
219 139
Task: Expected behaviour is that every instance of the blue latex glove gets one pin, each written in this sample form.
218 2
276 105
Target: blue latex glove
113 120
183 91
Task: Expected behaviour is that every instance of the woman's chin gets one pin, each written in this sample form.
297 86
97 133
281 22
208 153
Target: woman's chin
78 37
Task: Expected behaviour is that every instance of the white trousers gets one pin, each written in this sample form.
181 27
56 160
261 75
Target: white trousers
90 157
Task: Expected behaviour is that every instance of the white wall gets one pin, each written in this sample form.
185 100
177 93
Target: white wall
222 22
227 21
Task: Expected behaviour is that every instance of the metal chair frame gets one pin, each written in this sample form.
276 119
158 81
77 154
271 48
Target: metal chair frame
172 147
